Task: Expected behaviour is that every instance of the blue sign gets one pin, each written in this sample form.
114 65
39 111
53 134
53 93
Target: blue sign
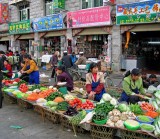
52 22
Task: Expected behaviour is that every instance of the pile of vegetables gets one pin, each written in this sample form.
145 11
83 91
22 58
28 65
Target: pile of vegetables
63 106
71 111
157 127
147 127
75 120
53 96
107 98
76 103
123 107
23 88
136 109
116 118
147 107
88 105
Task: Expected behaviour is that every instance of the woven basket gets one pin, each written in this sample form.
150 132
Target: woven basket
24 104
102 132
10 99
125 134
65 123
51 116
39 110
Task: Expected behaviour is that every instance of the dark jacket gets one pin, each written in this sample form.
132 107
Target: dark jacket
54 60
1 68
67 62
64 77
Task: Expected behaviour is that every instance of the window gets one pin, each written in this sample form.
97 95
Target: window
50 8
24 12
91 3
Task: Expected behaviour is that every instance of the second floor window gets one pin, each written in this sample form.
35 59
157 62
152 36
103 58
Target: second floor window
24 12
49 6
91 3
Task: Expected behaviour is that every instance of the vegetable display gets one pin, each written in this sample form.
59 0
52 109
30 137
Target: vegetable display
71 111
75 103
63 106
75 120
123 107
54 95
147 107
136 109
23 88
88 105
152 114
147 127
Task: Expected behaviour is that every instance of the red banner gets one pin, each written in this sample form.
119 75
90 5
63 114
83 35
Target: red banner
89 17
4 13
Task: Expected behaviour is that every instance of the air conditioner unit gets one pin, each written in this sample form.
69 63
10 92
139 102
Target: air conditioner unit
108 2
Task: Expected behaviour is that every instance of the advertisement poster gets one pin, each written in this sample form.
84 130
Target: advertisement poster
48 23
89 17
142 12
19 27
4 13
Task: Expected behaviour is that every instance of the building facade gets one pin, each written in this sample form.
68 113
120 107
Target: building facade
110 34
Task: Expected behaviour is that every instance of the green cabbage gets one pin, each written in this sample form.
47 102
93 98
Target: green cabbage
51 103
123 107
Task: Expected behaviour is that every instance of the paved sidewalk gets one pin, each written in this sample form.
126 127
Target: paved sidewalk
33 127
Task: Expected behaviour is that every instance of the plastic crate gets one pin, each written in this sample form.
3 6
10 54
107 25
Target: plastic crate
10 99
51 116
24 104
102 132
65 123
125 134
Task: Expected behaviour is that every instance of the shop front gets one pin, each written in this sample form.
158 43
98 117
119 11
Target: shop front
140 39
51 32
90 30
22 35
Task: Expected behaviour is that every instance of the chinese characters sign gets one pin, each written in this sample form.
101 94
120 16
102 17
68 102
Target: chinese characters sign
20 27
4 13
142 12
59 4
48 23
89 17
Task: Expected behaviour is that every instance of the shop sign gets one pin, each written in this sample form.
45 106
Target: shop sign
89 17
48 23
14 1
142 12
20 27
59 4
4 13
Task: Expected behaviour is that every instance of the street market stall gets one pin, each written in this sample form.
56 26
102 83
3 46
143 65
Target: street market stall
104 119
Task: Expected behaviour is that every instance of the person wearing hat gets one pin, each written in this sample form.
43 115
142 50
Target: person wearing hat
133 87
31 69
66 60
63 76
81 60
95 83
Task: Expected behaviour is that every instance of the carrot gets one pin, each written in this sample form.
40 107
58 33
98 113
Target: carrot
147 107
152 114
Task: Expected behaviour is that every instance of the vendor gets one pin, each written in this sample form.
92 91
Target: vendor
31 68
8 69
63 76
81 60
95 83
24 76
133 87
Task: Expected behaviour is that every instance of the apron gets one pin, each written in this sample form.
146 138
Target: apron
125 97
97 96
33 76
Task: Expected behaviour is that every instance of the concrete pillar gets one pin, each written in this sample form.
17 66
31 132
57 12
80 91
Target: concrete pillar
36 39
116 48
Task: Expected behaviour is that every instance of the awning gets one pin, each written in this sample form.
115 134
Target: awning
26 37
95 31
143 28
5 38
55 33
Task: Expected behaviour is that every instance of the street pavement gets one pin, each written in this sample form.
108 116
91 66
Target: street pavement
32 125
